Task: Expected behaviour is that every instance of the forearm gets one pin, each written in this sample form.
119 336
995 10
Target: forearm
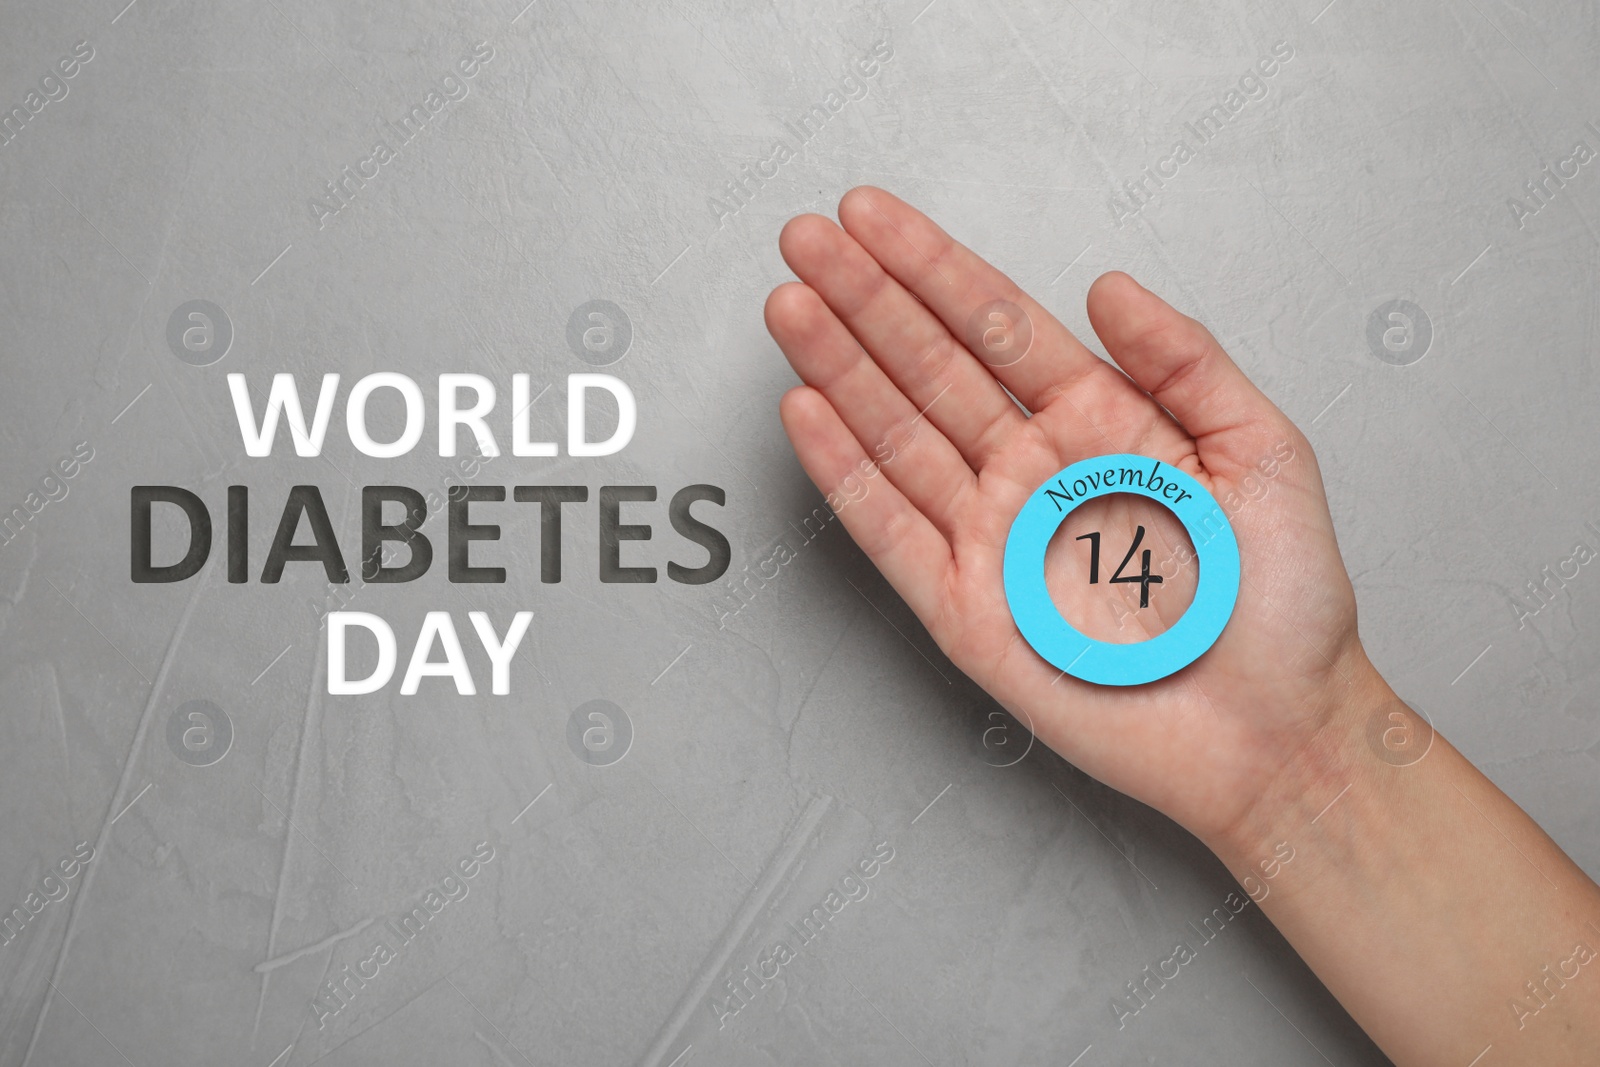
1442 917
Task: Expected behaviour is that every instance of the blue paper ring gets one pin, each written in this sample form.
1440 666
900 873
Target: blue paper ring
1103 662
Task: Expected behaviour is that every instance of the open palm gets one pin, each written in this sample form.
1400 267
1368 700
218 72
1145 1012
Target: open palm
880 328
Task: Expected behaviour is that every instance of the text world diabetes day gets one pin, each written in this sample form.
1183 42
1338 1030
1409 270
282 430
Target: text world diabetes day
395 546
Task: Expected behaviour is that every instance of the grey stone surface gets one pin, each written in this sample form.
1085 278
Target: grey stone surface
775 755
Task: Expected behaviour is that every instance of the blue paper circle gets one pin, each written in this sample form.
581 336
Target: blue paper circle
1103 662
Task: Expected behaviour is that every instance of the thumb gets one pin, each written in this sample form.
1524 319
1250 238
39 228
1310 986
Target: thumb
1177 361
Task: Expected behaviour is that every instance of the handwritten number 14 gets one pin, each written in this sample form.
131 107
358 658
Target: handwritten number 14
1144 579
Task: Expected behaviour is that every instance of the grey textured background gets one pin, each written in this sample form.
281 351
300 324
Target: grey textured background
772 754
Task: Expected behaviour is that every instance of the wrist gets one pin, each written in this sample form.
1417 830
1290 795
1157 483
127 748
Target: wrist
1362 730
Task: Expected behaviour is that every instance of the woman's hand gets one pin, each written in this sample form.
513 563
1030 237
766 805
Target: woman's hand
881 329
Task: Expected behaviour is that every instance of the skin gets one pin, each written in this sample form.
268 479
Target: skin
1418 892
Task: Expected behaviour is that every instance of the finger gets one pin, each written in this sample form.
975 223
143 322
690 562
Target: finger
1177 361
900 440
934 370
899 539
955 282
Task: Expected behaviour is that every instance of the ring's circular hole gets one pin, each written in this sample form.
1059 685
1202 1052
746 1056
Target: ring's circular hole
1121 569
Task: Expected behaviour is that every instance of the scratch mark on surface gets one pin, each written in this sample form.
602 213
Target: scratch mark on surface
53 688
299 953
755 902
309 727
499 1057
132 802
